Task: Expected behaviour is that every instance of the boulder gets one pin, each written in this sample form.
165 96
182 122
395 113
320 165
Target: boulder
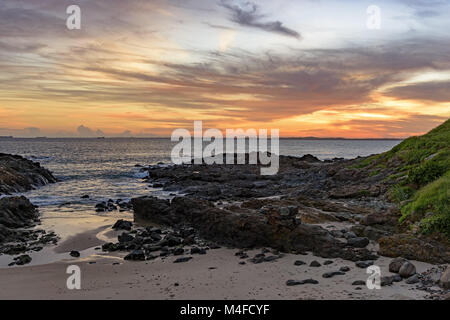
122 225
16 213
358 242
445 279
396 264
413 279
407 270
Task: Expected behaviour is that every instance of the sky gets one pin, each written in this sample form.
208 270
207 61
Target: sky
144 68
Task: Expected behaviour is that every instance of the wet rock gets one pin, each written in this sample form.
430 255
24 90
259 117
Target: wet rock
136 255
173 241
301 282
344 269
270 258
315 264
359 283
349 235
407 270
332 274
18 174
364 264
358 242
327 262
396 264
387 281
182 259
74 254
125 237
413 279
299 263
122 225
22 260
259 258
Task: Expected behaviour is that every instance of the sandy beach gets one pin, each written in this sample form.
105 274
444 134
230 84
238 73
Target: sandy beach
216 275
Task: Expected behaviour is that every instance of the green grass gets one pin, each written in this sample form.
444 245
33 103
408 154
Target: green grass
434 198
421 178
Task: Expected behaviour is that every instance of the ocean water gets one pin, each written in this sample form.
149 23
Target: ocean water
111 169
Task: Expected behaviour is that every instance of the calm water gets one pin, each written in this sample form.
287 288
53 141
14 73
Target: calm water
106 168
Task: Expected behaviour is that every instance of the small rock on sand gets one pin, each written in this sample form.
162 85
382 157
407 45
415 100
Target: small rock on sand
315 264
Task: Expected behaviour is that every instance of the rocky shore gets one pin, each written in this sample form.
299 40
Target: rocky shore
18 174
331 209
17 214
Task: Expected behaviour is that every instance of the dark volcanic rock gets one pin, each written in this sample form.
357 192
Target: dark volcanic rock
122 225
344 269
332 274
75 254
137 255
271 227
18 174
16 213
358 242
315 264
21 260
364 264
296 282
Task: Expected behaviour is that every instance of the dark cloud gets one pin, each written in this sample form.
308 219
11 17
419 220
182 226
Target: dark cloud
249 16
429 91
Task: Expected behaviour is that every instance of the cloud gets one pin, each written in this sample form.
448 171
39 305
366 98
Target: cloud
88 132
438 91
248 15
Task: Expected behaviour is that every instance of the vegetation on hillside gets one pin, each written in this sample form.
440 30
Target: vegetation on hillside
420 170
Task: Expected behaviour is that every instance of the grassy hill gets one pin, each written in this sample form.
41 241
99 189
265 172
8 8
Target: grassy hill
419 170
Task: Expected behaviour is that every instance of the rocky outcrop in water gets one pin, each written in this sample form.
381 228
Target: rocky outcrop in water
18 174
18 214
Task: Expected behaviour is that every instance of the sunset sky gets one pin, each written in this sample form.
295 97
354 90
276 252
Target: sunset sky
145 68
